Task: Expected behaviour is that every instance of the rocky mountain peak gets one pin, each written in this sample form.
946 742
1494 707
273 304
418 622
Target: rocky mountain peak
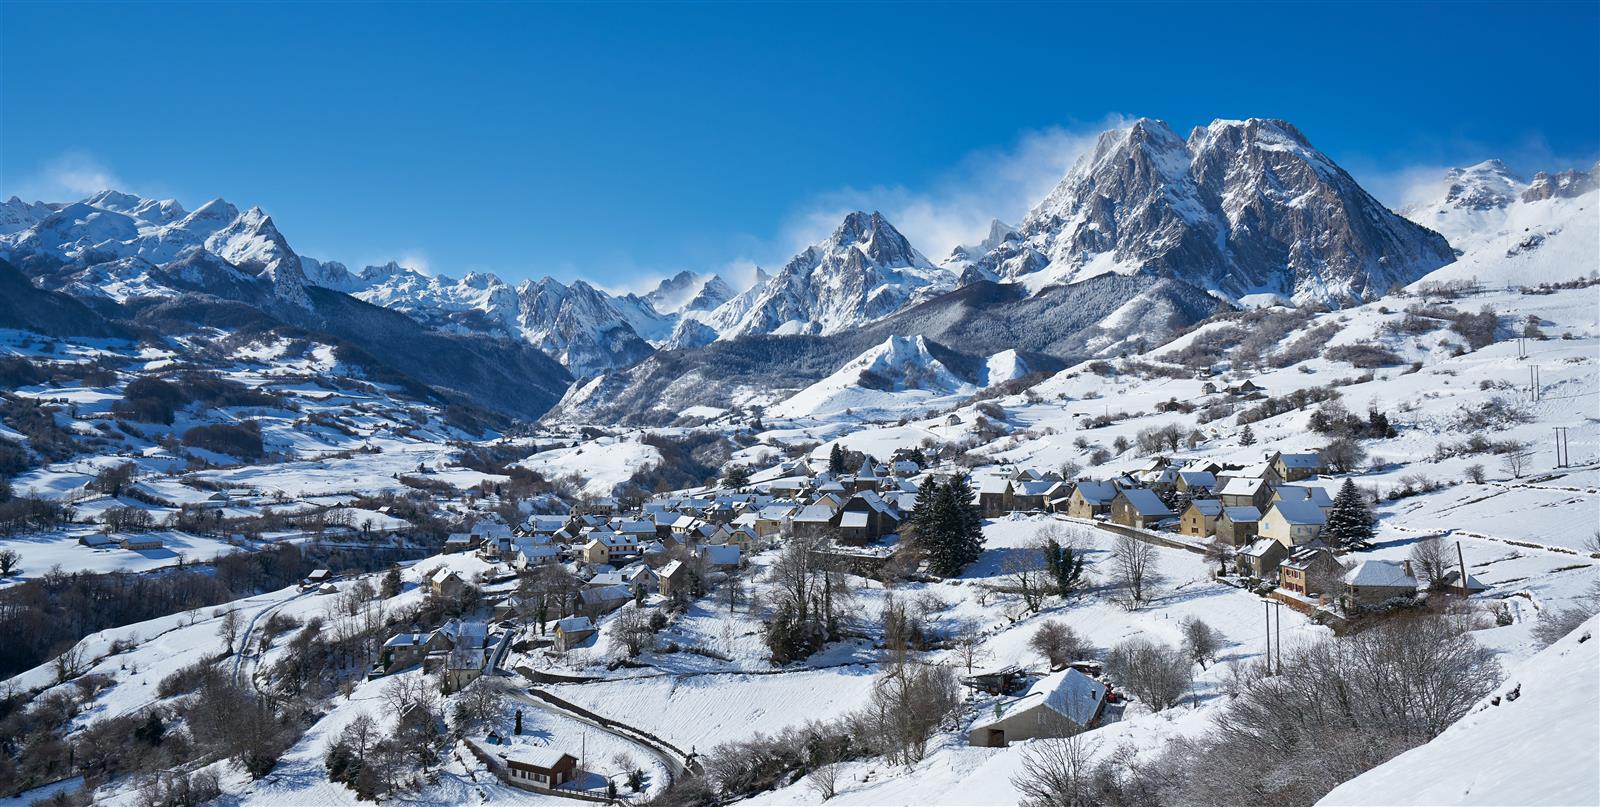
1563 185
1240 208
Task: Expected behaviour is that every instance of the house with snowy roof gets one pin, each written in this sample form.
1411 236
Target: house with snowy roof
1261 558
1091 497
1317 494
1245 491
1309 569
1139 508
1374 582
1058 705
1292 523
539 766
1199 519
1294 467
572 631
1236 526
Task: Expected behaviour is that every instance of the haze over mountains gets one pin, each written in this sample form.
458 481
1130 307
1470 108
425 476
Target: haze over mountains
1148 233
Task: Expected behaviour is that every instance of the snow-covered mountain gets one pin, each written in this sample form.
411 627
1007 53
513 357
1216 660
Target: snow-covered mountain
689 291
1240 208
898 373
123 237
865 271
964 256
1510 231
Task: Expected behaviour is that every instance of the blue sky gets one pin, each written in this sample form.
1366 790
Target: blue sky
613 142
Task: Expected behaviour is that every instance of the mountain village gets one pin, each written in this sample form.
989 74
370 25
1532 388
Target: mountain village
1298 537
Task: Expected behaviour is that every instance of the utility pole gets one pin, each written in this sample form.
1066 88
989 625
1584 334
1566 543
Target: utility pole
1267 612
1563 447
1278 640
1462 559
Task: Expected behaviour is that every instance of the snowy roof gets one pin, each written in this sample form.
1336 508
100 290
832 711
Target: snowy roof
1095 491
1318 495
1208 507
1260 548
1068 693
670 568
1200 479
1146 502
536 756
853 519
814 513
1380 573
1242 486
1244 514
721 554
574 624
1033 487
1303 511
605 594
1306 460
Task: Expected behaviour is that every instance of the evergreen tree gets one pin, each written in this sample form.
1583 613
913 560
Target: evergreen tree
1378 425
1248 436
953 532
736 476
836 460
391 582
1350 524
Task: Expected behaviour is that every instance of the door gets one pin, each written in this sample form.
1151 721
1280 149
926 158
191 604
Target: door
997 738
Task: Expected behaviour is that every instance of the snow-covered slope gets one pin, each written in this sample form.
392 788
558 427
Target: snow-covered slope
865 271
900 372
1240 208
1511 232
1532 742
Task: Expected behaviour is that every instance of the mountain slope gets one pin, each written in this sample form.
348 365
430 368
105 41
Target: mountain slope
26 307
1240 208
1531 742
900 372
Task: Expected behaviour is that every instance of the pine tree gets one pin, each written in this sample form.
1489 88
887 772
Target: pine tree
969 523
836 460
1350 524
391 582
1248 436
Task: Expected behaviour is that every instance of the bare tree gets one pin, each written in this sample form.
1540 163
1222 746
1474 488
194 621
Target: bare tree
908 706
479 705
1515 458
69 664
633 628
1133 569
1475 473
1025 575
1059 643
9 558
1200 641
1057 772
1155 673
824 780
229 628
968 644
1430 560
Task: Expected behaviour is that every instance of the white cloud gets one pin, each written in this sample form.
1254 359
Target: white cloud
958 205
68 177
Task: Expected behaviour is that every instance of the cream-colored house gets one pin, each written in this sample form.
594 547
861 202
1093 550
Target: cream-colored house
1292 523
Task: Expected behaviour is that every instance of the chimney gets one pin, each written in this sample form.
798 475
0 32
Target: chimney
1406 564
